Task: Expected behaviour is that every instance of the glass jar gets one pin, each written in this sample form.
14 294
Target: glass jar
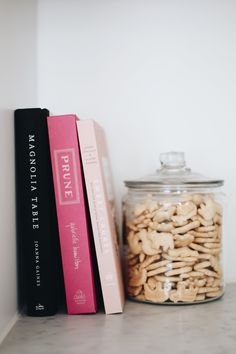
173 235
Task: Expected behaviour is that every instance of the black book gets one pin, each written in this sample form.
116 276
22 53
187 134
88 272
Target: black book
37 235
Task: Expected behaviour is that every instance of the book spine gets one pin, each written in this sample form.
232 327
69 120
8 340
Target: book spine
36 216
71 212
102 223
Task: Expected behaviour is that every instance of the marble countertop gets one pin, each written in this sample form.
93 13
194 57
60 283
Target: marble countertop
142 328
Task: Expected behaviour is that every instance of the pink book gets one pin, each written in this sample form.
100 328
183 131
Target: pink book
101 204
71 213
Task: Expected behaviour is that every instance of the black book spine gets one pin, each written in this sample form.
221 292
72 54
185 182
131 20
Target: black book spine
36 214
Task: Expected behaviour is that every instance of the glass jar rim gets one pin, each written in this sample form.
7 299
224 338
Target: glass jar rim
139 184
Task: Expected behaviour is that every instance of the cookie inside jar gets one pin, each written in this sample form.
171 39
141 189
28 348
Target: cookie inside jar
173 236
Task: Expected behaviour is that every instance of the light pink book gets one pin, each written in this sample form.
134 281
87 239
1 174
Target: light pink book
71 214
101 205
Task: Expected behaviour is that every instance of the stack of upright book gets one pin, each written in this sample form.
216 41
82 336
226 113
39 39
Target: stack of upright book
63 179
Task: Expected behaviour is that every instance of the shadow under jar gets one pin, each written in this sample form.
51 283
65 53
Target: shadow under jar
173 235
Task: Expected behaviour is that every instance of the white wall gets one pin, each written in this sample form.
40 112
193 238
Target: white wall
17 89
159 75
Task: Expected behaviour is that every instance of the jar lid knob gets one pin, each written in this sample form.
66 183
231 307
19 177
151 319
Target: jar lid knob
172 160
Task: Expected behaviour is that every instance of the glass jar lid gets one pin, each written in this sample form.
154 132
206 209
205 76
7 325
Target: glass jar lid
174 173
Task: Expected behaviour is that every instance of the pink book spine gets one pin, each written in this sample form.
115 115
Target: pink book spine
71 214
94 158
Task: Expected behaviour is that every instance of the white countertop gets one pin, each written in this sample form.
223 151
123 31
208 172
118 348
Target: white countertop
142 328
